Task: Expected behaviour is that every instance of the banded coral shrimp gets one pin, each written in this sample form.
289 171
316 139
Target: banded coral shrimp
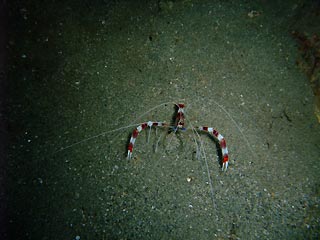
177 124
173 173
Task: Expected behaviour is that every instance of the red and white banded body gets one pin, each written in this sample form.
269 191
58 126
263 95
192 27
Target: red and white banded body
222 143
179 125
136 132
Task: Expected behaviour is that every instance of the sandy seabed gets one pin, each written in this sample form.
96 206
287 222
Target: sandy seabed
83 75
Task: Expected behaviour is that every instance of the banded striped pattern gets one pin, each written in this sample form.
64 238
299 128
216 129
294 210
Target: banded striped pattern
222 143
136 132
179 124
180 116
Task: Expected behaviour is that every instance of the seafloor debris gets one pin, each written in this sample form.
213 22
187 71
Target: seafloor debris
309 62
253 14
